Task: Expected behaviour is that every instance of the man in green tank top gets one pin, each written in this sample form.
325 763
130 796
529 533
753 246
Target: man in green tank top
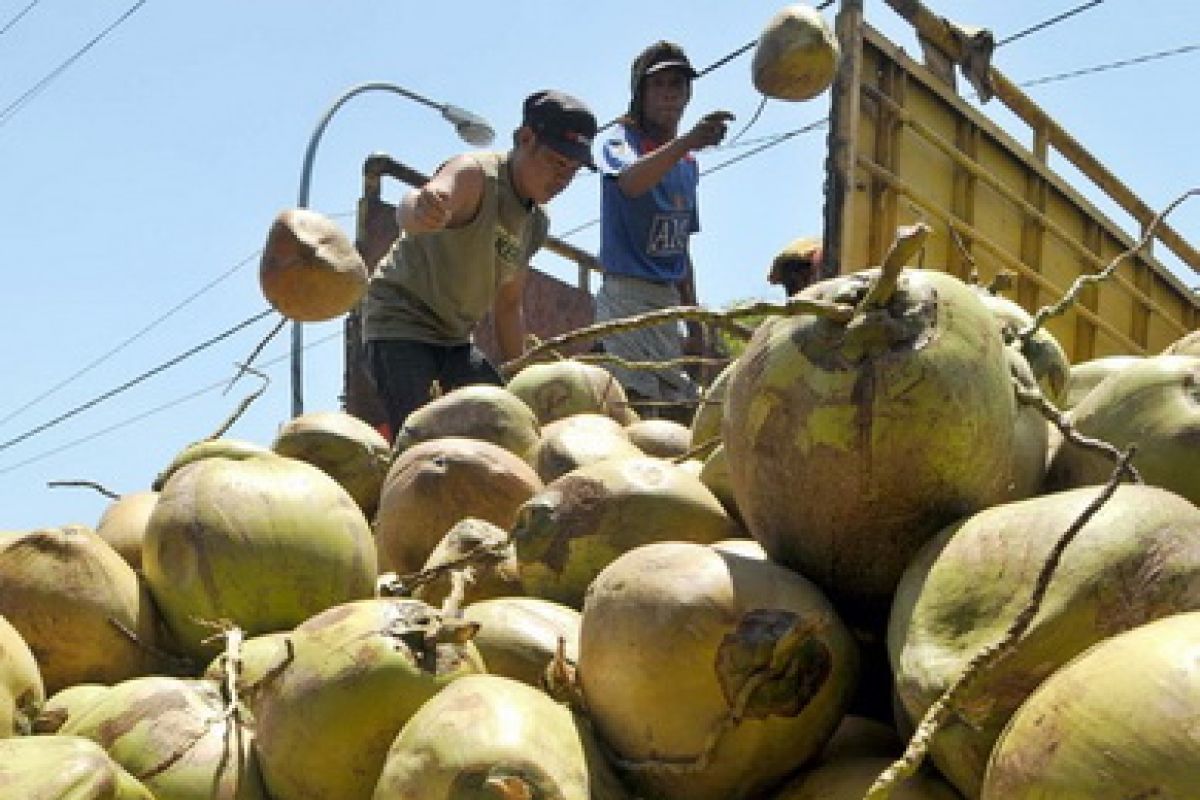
466 238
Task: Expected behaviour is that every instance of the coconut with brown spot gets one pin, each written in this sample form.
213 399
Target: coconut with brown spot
480 547
519 636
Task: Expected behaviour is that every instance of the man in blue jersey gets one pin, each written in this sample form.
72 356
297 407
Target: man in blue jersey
648 213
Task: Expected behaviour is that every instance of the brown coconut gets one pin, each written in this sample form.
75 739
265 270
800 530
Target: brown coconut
81 608
571 442
560 389
711 675
123 524
519 636
344 447
22 692
434 484
796 56
580 522
310 271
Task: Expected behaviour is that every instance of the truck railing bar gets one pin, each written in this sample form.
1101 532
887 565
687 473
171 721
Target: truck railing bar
379 165
1031 211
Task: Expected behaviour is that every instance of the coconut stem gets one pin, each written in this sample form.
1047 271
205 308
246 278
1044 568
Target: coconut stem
1083 281
837 312
175 665
938 713
224 427
702 450
483 554
909 241
1031 396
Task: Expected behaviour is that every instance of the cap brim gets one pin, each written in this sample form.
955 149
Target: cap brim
683 66
574 151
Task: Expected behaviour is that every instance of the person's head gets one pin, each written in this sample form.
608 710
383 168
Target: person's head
797 265
553 142
660 86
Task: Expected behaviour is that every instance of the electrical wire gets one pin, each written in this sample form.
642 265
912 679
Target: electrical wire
16 105
1049 22
17 18
134 381
1085 71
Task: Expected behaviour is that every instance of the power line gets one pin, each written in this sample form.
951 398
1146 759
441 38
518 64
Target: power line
1047 23
17 18
151 412
134 381
1084 71
16 105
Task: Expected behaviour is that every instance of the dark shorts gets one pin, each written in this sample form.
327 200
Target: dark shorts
404 371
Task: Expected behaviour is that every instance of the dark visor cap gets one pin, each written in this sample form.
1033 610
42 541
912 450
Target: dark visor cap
657 57
562 123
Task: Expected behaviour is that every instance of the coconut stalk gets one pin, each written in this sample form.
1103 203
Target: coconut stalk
918 746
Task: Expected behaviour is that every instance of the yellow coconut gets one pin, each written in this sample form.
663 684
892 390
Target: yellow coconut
22 692
796 56
123 524
663 438
434 484
309 270
1117 722
343 446
519 636
486 736
580 522
67 767
80 607
559 389
711 675
571 442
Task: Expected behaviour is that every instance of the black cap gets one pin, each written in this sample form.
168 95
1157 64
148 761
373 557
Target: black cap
657 57
562 123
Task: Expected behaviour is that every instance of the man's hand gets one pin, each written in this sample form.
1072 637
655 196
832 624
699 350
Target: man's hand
431 209
709 131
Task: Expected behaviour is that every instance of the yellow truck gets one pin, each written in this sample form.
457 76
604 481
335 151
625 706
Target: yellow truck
905 146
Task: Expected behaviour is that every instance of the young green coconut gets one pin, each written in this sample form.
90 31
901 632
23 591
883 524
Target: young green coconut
1153 403
1136 560
710 675
351 679
572 442
489 413
560 389
69 767
1118 722
123 524
854 434
519 636
580 522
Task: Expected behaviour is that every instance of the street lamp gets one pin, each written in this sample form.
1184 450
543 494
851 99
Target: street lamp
473 130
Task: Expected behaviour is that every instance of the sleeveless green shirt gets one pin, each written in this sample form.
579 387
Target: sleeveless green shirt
434 287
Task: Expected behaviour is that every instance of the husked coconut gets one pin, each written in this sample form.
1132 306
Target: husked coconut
80 607
1117 722
123 524
22 692
580 522
433 485
1137 559
572 442
344 447
357 673
519 636
174 736
560 389
708 674
69 767
310 271
489 413
488 736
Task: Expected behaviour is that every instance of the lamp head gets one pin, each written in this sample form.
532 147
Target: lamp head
471 128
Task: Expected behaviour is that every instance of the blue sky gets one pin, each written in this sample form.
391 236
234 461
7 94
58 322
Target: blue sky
137 188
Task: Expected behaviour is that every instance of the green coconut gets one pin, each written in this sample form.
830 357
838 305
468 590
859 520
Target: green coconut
560 389
580 522
489 413
850 778
78 605
487 736
1118 722
483 548
1046 357
1087 375
1031 437
174 736
1136 560
264 542
1187 345
1154 403
519 636
708 674
67 703
706 422
663 438
715 474
258 660
580 439
22 692
357 673
851 444
232 449
123 524
347 449
435 484
64 768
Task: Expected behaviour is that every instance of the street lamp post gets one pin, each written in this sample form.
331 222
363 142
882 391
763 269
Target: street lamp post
472 128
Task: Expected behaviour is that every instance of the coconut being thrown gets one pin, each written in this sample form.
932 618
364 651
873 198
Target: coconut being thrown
851 442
